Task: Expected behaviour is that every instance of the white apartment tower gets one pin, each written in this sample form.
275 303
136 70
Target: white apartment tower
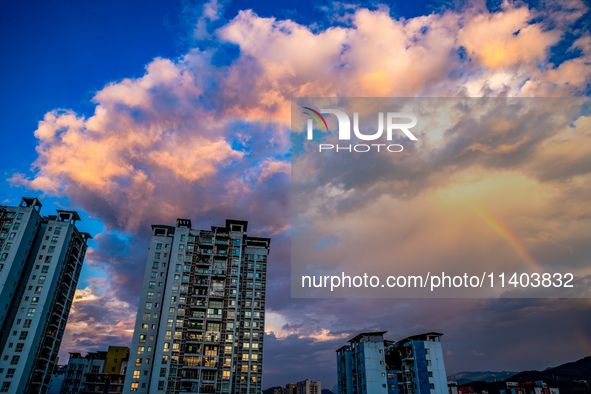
201 317
40 262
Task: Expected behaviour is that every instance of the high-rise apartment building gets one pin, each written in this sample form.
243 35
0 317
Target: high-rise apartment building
419 360
371 365
40 262
201 317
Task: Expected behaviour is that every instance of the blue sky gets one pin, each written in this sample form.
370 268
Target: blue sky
181 99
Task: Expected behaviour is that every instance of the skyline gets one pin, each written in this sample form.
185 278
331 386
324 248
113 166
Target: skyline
109 109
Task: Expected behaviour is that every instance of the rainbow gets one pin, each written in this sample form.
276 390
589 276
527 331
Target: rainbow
316 118
511 238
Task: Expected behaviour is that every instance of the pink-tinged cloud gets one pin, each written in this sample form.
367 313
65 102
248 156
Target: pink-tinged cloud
507 39
173 128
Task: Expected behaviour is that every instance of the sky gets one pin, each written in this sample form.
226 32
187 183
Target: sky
477 191
135 113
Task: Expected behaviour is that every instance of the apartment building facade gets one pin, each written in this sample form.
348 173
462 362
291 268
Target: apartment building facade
100 372
201 317
370 364
40 262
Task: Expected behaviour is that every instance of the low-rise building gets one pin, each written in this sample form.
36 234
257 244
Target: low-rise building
304 387
538 387
97 372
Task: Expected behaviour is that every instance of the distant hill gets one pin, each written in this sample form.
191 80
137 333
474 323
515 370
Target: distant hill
569 378
488 376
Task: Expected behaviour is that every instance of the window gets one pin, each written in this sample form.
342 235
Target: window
19 216
10 373
140 350
148 305
54 240
4 256
160 385
143 338
134 386
136 374
51 249
14 360
5 387
41 279
27 323
57 230
158 246
23 335
38 289
45 269
150 295
426 351
428 363
152 284
431 386
146 316
138 362
145 327
31 312
162 372
430 374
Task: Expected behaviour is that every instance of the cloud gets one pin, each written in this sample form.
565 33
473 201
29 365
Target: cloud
97 319
507 39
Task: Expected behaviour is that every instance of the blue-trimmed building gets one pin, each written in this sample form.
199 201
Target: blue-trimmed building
371 365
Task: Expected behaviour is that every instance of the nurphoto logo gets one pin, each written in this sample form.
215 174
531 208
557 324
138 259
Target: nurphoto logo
395 121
